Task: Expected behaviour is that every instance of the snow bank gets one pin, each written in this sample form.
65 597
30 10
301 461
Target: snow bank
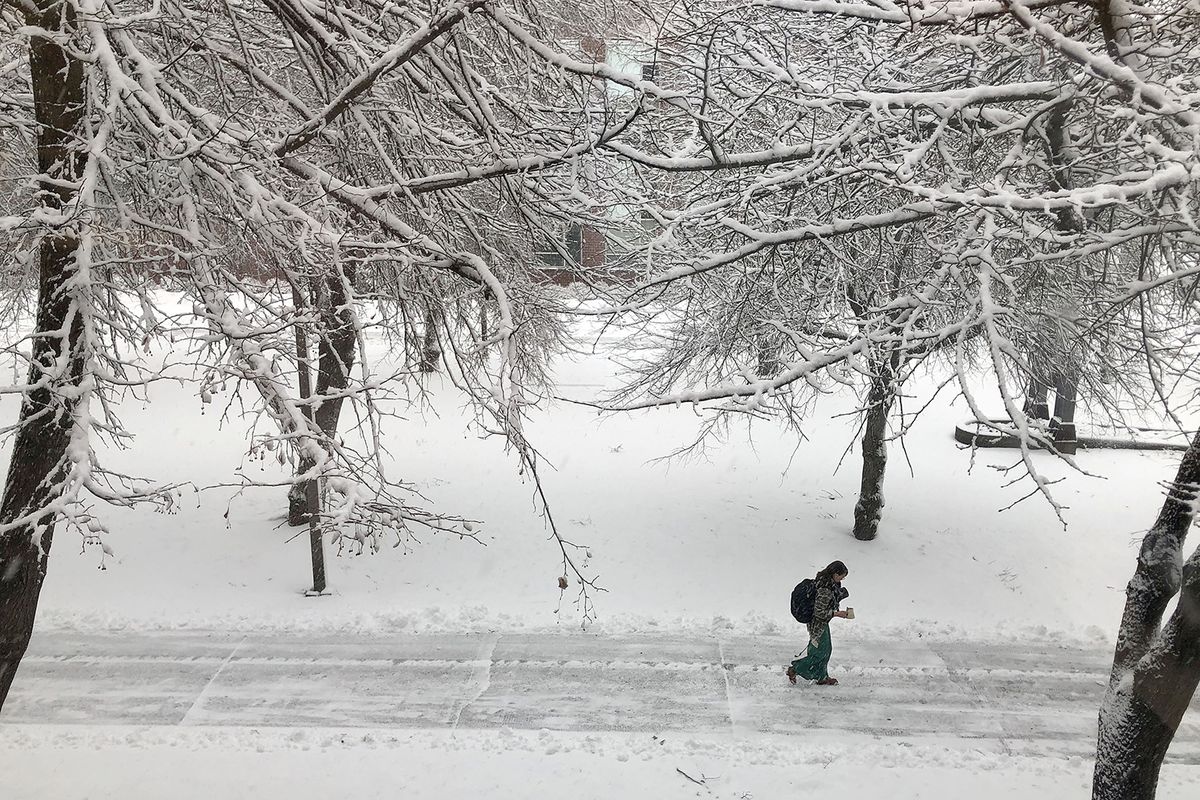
279 764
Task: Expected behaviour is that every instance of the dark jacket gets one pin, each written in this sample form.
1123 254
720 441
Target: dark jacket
829 596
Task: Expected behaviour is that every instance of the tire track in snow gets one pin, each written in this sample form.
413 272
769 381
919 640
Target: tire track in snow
977 695
734 724
189 716
481 673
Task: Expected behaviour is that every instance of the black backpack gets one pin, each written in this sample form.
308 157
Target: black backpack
803 597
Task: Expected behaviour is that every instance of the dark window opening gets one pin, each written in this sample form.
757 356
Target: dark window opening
550 252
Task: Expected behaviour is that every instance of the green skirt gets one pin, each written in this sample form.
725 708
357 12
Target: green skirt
814 664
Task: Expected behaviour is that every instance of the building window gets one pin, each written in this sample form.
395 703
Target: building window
569 242
649 71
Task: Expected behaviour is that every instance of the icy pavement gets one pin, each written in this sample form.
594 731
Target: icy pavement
1002 698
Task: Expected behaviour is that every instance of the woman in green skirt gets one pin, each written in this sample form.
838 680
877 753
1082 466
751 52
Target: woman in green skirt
814 664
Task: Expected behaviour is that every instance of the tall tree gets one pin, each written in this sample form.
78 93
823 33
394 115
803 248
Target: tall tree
1156 667
219 148
969 125
1055 146
54 408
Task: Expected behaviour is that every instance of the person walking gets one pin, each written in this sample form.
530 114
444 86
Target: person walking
828 595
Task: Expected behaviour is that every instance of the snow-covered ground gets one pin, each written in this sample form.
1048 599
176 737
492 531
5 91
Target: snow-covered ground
702 552
200 764
714 541
456 714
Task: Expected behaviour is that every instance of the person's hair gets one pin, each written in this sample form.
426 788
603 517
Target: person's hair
834 568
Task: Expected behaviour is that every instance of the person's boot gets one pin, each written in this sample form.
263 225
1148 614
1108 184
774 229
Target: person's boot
791 673
827 682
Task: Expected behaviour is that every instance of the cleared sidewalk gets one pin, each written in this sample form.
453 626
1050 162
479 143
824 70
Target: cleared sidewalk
1014 699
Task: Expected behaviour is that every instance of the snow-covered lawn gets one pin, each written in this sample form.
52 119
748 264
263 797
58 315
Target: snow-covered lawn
717 540
708 547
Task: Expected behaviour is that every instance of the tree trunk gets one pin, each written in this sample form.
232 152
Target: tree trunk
1036 406
765 341
869 508
1154 673
307 507
431 348
38 463
1063 422
337 347
335 358
299 495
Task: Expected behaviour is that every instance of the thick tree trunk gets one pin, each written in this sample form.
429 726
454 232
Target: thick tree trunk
298 498
39 449
766 350
1063 423
1154 673
335 358
337 348
1036 406
869 508
1068 221
431 347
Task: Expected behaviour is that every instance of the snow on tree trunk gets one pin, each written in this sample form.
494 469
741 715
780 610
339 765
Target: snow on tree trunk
298 496
869 508
335 359
431 348
1155 672
1036 406
40 449
336 350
